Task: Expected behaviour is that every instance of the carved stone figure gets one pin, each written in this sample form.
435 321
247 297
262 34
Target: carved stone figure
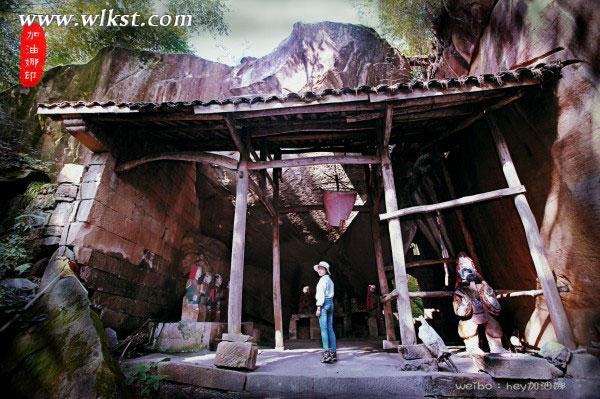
214 299
476 304
191 299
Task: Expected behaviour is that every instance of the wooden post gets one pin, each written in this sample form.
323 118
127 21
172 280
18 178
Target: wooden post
407 328
556 310
277 263
236 277
374 194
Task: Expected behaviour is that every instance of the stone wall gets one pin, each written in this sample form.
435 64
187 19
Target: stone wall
125 232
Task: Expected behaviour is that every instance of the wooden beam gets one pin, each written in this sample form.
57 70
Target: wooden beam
190 156
233 133
470 199
500 294
387 128
422 263
405 319
317 207
556 310
262 196
308 161
236 277
378 249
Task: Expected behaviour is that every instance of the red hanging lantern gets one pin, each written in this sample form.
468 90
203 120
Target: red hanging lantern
338 205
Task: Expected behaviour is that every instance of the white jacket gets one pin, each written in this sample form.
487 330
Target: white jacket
324 289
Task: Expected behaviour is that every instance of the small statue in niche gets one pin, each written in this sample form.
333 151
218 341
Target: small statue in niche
214 299
191 299
204 291
305 301
476 304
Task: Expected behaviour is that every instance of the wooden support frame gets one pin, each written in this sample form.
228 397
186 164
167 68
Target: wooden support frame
556 310
470 199
405 319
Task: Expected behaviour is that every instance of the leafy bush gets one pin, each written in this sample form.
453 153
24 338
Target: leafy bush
15 252
144 377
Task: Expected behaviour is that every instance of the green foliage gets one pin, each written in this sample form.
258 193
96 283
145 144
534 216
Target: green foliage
78 44
145 377
409 23
15 252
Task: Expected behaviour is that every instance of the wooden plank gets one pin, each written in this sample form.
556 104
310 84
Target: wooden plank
422 263
470 199
233 133
308 109
556 310
405 319
190 156
236 277
388 315
321 160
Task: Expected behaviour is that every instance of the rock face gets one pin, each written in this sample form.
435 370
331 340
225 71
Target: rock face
66 356
313 57
555 147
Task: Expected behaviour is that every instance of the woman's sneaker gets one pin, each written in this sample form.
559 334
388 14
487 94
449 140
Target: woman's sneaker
326 357
332 357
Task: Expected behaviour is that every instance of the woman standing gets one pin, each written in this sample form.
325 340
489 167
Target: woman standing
324 296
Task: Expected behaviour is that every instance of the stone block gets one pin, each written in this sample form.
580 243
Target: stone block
66 192
212 378
93 173
61 214
70 173
237 337
238 355
583 365
187 336
53 231
426 365
390 346
88 190
412 352
518 366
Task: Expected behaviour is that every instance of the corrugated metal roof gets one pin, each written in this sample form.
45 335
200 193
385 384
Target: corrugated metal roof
538 73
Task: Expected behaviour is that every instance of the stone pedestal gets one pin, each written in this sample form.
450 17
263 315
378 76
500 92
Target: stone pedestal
315 330
373 329
390 346
187 336
517 366
236 351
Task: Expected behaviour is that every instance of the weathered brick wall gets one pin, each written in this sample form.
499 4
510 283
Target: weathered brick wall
125 231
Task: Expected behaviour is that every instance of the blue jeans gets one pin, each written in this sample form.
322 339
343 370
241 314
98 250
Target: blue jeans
326 324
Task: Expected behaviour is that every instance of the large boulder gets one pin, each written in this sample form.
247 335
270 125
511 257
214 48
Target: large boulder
66 356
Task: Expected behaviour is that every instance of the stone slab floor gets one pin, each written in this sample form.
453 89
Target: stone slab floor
362 371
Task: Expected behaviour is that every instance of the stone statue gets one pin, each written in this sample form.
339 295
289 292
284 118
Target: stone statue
204 288
191 299
476 304
214 299
372 298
